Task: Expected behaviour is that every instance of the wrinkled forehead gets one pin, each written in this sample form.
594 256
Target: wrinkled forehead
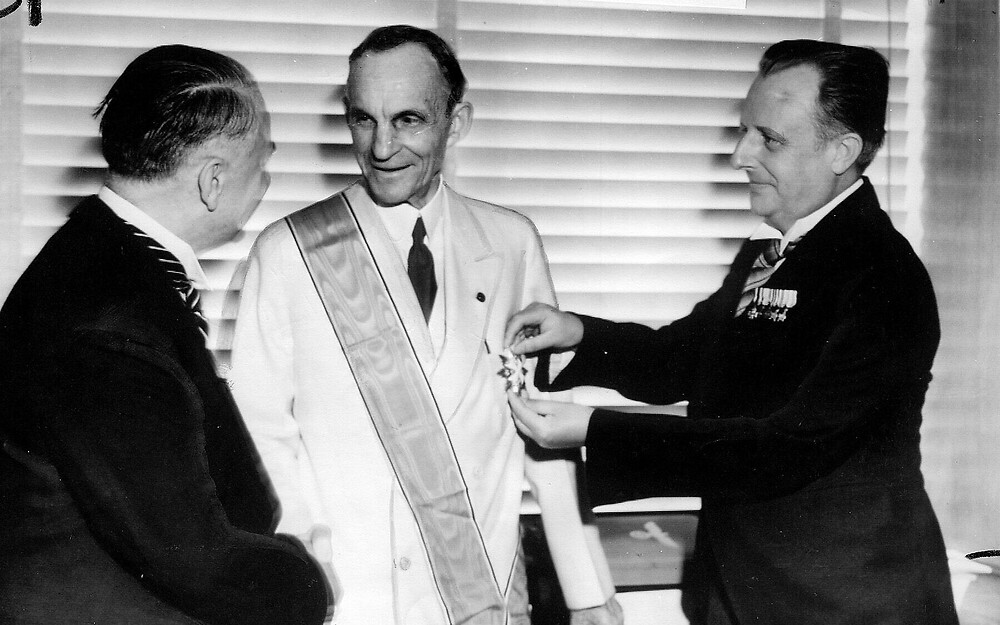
406 76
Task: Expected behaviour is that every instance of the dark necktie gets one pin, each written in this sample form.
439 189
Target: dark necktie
420 267
763 266
177 276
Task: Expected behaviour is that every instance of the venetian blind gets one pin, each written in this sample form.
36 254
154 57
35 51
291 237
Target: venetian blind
297 51
609 125
611 128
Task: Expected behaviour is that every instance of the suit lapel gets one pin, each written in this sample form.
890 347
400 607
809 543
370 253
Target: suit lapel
836 244
145 272
472 276
828 248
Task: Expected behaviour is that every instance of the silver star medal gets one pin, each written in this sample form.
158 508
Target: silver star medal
513 372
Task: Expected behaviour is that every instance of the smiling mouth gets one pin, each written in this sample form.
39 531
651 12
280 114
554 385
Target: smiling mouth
389 170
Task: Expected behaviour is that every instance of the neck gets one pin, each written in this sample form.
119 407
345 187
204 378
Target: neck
165 201
804 223
420 203
839 185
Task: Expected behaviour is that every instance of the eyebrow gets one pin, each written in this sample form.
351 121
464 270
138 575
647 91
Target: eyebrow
350 109
413 112
429 113
771 132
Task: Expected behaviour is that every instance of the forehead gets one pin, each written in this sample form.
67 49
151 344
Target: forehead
405 77
787 97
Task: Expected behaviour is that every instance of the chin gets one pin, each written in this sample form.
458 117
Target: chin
385 195
383 199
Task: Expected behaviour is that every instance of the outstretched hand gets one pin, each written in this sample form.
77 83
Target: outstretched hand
539 327
559 425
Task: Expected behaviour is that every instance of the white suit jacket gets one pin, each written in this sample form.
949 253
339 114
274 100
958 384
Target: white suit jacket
301 404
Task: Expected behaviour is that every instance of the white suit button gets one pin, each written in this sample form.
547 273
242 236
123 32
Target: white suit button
404 563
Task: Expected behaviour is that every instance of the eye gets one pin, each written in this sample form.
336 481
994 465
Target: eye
408 122
360 121
771 142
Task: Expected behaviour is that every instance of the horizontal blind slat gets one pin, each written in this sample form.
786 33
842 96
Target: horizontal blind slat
610 126
336 12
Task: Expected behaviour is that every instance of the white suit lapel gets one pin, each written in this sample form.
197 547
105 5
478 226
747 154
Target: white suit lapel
393 272
472 276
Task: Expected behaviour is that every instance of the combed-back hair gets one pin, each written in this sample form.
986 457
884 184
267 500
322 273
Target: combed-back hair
170 100
853 89
390 37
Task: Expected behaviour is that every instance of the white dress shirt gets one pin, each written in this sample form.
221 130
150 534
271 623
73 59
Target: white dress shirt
399 221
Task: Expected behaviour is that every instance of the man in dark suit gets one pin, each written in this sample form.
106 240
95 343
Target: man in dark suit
129 490
805 375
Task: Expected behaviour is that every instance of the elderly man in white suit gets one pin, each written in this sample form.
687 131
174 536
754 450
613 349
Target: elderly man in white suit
350 474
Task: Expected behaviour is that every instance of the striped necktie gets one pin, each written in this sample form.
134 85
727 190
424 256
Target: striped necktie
177 276
763 266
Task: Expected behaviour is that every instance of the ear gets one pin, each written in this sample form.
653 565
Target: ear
846 148
461 122
210 181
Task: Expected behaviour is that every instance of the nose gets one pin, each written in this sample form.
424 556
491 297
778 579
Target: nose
740 158
383 143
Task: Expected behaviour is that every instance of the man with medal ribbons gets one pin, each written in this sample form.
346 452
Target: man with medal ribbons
804 395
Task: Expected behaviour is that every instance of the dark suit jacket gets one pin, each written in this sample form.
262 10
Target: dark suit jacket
129 489
802 437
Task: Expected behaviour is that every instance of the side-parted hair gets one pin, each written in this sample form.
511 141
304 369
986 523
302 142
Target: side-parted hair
170 100
390 37
853 89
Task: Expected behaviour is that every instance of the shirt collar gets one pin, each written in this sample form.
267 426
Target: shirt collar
168 240
399 219
802 226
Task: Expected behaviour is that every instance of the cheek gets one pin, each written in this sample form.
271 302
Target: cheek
430 146
787 172
361 145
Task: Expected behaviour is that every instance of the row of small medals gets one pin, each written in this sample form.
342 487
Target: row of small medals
772 304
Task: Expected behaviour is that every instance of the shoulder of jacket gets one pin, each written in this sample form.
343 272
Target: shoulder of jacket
128 325
500 216
275 235
281 227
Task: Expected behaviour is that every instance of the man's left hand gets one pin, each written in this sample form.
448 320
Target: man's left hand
608 614
559 425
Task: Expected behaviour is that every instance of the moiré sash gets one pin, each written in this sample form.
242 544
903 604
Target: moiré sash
401 405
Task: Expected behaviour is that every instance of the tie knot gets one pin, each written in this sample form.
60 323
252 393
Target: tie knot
419 230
